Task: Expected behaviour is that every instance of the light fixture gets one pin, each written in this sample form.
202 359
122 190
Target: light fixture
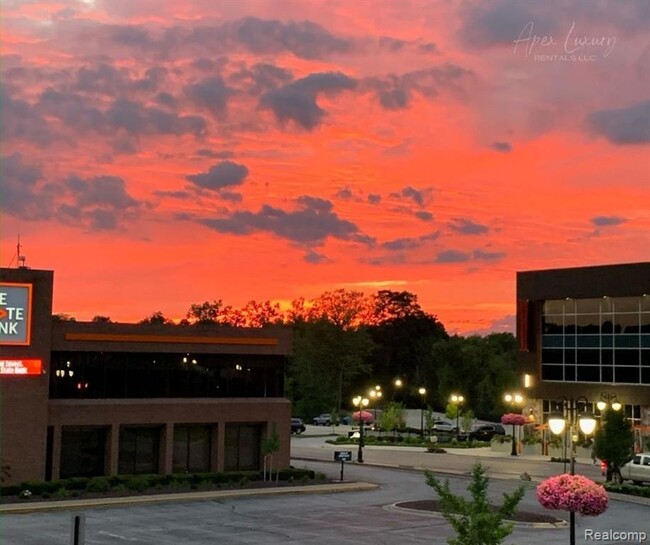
422 391
556 422
587 423
610 400
513 399
528 380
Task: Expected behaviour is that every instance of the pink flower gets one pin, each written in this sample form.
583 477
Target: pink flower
513 419
573 493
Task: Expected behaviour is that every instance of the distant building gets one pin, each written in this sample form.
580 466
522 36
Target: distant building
586 332
86 399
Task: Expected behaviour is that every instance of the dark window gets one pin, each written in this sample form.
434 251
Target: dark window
552 372
645 357
626 357
83 452
570 372
628 375
149 375
588 357
242 448
645 375
552 341
570 356
607 357
192 449
589 373
627 341
607 373
588 341
139 450
550 355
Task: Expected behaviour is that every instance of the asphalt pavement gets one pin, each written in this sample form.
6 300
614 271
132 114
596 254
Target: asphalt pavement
359 517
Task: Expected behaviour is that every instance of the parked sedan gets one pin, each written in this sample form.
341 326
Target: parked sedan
441 425
323 420
297 425
486 433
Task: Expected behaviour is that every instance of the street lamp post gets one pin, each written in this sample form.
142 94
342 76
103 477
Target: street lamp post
397 383
360 402
457 400
587 424
423 392
608 400
513 400
375 394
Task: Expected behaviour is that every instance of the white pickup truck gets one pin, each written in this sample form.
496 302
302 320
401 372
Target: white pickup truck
637 470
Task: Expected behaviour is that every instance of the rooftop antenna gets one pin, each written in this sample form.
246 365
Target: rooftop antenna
21 258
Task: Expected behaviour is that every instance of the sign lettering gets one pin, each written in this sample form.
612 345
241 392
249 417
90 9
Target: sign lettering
21 367
15 314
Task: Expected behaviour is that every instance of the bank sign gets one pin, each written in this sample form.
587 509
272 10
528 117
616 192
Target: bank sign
15 314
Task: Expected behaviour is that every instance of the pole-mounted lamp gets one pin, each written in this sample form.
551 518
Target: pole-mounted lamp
557 423
608 400
514 400
423 392
457 400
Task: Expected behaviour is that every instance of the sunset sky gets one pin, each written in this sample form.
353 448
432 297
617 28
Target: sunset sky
159 153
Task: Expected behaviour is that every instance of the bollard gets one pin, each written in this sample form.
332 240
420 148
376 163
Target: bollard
78 529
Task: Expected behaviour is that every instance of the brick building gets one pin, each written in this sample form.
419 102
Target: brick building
85 399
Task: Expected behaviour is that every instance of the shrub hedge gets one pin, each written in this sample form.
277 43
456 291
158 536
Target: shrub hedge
631 489
141 483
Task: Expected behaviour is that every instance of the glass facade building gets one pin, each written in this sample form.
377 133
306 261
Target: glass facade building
601 340
584 333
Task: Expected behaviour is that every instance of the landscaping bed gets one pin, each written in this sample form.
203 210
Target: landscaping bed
133 485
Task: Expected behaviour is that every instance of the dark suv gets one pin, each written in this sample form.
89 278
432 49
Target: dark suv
297 425
486 433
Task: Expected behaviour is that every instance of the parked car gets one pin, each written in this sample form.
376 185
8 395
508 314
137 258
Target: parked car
297 425
637 470
487 432
441 425
324 420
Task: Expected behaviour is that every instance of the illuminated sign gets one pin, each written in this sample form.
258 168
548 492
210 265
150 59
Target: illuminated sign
15 313
21 367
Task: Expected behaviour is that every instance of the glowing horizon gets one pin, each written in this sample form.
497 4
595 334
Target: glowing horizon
158 154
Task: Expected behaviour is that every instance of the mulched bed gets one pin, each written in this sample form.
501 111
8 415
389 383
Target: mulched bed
519 516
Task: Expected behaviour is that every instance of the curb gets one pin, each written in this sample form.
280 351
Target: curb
38 507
